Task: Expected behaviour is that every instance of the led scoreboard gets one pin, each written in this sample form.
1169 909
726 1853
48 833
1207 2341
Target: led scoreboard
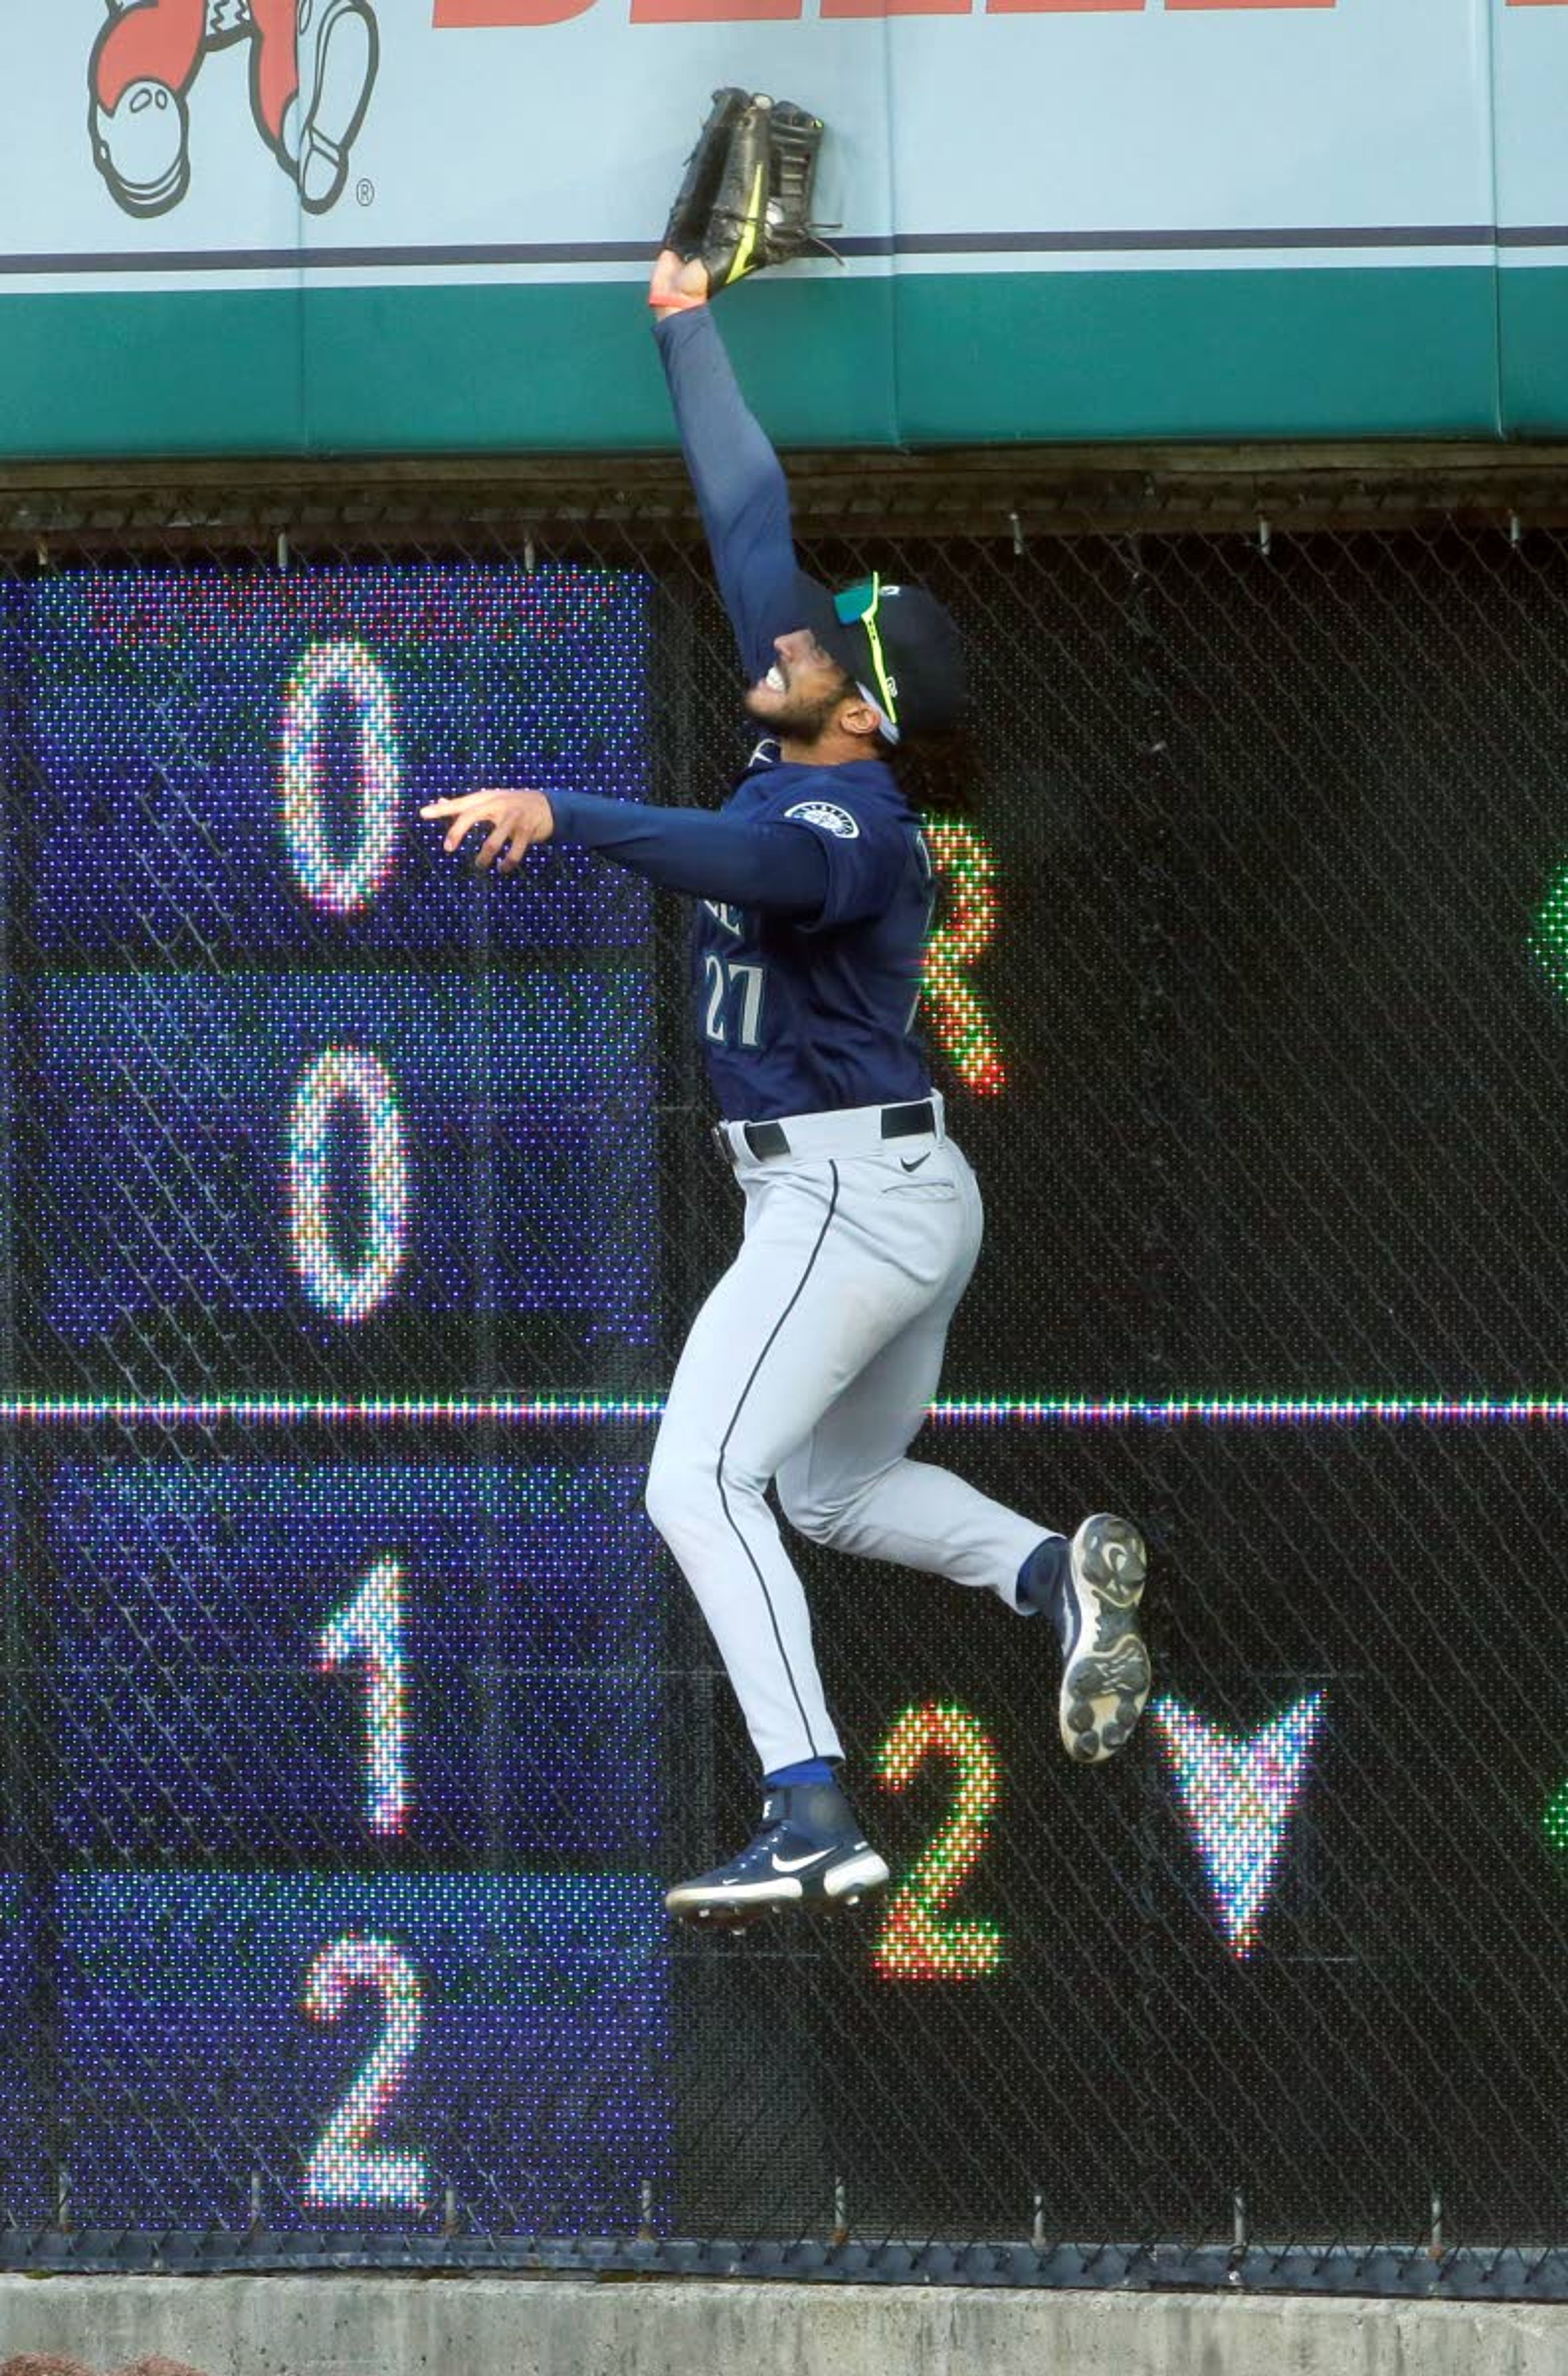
260 972
355 1718
335 1759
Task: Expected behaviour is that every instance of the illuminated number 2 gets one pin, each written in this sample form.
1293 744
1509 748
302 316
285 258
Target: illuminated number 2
371 1627
916 1944
345 2170
347 888
341 1075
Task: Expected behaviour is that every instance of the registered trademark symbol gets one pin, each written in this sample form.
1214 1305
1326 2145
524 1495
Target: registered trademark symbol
365 193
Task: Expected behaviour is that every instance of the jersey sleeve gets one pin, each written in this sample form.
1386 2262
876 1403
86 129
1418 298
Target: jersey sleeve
864 848
753 862
741 488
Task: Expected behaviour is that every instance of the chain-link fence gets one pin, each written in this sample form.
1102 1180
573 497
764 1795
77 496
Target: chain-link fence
356 1207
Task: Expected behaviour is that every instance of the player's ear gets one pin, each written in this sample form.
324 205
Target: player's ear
857 717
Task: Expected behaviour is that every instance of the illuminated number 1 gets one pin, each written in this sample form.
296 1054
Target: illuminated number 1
916 1944
371 1627
347 1077
346 2172
345 889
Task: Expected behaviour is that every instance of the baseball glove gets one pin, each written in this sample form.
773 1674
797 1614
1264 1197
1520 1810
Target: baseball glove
761 211
687 226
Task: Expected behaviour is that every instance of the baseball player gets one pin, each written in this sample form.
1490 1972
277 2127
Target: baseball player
812 1364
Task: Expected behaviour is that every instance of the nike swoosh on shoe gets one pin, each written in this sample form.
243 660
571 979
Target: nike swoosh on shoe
798 1864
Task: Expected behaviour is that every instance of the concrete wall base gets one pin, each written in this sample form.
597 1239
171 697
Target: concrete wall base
517 2326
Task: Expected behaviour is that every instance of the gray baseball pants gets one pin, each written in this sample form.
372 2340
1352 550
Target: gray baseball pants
812 1365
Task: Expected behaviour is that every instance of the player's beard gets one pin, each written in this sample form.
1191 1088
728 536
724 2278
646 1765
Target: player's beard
797 720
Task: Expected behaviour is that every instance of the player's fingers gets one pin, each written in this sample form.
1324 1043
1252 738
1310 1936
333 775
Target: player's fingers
440 808
491 848
466 815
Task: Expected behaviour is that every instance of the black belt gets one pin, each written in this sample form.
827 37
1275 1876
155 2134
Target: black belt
771 1138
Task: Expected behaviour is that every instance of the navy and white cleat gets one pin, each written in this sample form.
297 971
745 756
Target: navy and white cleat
809 1851
1106 1673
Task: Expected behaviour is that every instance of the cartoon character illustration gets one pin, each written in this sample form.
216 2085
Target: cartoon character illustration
313 64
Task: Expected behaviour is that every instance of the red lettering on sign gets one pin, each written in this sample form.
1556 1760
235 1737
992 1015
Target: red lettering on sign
455 16
462 16
714 12
896 8
1054 7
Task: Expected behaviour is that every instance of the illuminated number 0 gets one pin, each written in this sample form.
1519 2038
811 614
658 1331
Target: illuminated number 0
371 1627
916 1944
345 2170
347 888
341 1075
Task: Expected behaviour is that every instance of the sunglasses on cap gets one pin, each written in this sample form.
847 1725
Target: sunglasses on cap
857 607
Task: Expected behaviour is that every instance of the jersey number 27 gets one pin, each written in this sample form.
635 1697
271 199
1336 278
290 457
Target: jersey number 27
729 983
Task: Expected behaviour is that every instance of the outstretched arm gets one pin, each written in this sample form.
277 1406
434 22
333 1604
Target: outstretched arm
741 488
765 864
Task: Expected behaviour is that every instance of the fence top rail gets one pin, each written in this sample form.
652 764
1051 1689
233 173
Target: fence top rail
1001 493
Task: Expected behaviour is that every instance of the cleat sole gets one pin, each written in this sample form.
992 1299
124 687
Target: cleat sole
1108 1679
845 1883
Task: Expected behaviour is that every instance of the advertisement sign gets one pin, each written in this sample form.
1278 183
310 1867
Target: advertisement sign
375 226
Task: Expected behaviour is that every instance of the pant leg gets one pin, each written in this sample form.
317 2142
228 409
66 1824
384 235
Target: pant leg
275 66
158 41
827 1274
850 1486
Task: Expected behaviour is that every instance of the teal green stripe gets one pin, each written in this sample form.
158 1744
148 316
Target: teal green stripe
916 358
574 368
1533 310
198 373
1368 353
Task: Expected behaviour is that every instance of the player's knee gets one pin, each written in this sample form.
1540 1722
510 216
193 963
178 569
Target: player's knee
681 1487
691 1484
667 1497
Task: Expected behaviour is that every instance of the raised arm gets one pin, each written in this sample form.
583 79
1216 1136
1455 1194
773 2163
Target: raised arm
740 486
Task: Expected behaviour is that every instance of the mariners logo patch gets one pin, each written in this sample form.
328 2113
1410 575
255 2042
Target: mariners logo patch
826 818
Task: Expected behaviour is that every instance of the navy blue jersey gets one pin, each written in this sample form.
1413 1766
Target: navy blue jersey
793 1016
815 883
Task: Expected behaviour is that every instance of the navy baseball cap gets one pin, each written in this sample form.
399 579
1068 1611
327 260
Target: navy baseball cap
900 645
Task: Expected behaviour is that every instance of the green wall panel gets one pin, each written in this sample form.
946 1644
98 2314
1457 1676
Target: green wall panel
1533 319
1231 354
566 367
191 374
920 359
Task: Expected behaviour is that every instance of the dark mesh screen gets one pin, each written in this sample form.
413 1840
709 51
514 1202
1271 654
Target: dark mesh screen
354 1214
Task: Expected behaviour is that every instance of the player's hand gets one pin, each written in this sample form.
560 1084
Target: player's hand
676 283
517 820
